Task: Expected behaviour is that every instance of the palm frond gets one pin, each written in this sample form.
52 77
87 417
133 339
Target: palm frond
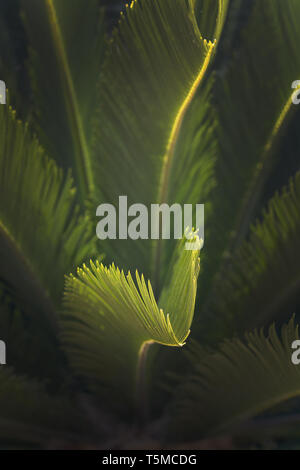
157 111
261 109
150 78
42 235
263 279
66 44
109 318
236 382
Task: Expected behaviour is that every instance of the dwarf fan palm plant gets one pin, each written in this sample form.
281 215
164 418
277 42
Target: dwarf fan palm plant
185 101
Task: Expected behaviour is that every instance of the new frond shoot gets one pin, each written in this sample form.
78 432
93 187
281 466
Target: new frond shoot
111 318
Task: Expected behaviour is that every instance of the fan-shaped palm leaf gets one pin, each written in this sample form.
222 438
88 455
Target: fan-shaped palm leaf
108 320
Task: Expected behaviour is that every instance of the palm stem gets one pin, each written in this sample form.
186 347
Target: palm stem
141 383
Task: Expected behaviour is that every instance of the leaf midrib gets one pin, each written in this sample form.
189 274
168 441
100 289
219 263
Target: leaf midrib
82 154
170 150
175 132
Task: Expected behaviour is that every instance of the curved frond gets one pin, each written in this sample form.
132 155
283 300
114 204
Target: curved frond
263 279
155 67
239 381
255 90
66 46
42 235
109 317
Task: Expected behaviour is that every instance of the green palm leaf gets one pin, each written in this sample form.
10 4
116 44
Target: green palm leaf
263 279
150 79
239 381
109 319
163 117
66 44
256 90
42 236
